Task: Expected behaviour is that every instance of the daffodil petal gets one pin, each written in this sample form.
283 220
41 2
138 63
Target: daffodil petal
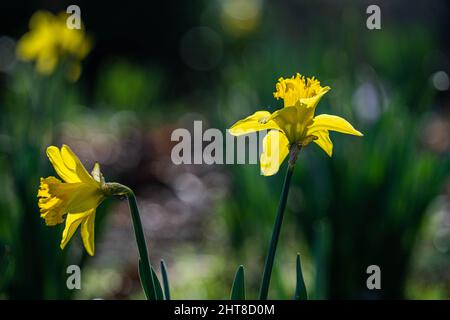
275 150
68 166
323 141
74 164
85 198
293 121
333 123
285 117
256 122
313 101
54 155
87 233
73 220
39 42
41 19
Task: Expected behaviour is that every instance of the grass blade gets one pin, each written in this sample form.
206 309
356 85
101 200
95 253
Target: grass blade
165 280
300 289
145 282
158 289
238 289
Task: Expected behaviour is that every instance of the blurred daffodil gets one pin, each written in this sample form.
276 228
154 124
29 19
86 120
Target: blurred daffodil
74 199
295 124
50 41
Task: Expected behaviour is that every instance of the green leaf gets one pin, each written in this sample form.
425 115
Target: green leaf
238 289
165 280
158 289
151 292
146 283
148 280
300 289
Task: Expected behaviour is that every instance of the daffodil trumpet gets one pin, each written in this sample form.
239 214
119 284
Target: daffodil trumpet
290 129
75 200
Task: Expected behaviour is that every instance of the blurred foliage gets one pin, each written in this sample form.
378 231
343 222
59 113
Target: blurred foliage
32 106
367 205
123 86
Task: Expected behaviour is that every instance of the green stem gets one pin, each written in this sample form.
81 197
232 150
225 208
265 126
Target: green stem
113 188
277 226
140 239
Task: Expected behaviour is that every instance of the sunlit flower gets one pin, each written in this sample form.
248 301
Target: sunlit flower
295 124
50 41
73 200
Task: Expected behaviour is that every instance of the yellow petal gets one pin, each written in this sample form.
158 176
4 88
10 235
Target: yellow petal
67 165
87 233
72 162
331 122
256 122
73 220
323 140
85 197
38 39
55 158
293 121
313 101
41 19
275 150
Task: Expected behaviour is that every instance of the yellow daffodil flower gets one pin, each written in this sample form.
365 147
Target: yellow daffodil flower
295 124
50 40
74 199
